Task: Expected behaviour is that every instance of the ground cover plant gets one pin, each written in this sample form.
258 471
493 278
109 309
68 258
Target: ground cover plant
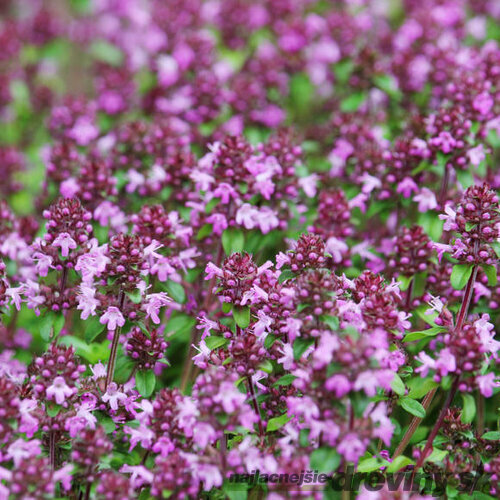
249 249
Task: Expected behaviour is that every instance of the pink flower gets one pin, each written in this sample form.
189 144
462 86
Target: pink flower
59 390
441 248
153 303
92 263
309 185
200 359
483 103
98 371
338 384
336 248
83 131
113 396
385 427
486 333
246 216
427 363
230 397
449 218
426 200
21 450
140 475
351 448
446 362
219 223
64 476
69 188
406 187
87 303
43 263
445 141
287 360
29 424
486 383
112 318
476 155
15 295
66 242
203 434
212 270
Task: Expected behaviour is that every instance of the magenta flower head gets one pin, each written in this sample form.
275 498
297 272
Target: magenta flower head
477 221
68 228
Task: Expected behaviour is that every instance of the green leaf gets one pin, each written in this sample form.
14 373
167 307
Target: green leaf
331 321
214 342
242 316
46 324
300 346
266 366
496 246
205 231
234 490
420 284
491 272
107 423
419 387
397 385
437 455
465 178
389 85
400 462
422 334
404 282
285 380
469 408
286 275
175 291
277 422
353 102
107 52
432 224
53 409
270 340
370 464
51 325
460 275
343 70
135 296
233 240
145 383
413 407
325 460
92 329
492 435
301 92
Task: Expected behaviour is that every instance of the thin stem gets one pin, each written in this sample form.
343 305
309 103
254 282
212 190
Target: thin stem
462 314
114 346
188 362
439 422
52 449
444 185
469 291
409 293
87 490
415 422
480 413
255 404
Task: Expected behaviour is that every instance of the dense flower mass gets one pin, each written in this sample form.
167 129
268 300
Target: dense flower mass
249 245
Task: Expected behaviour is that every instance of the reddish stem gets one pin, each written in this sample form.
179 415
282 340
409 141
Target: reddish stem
114 346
